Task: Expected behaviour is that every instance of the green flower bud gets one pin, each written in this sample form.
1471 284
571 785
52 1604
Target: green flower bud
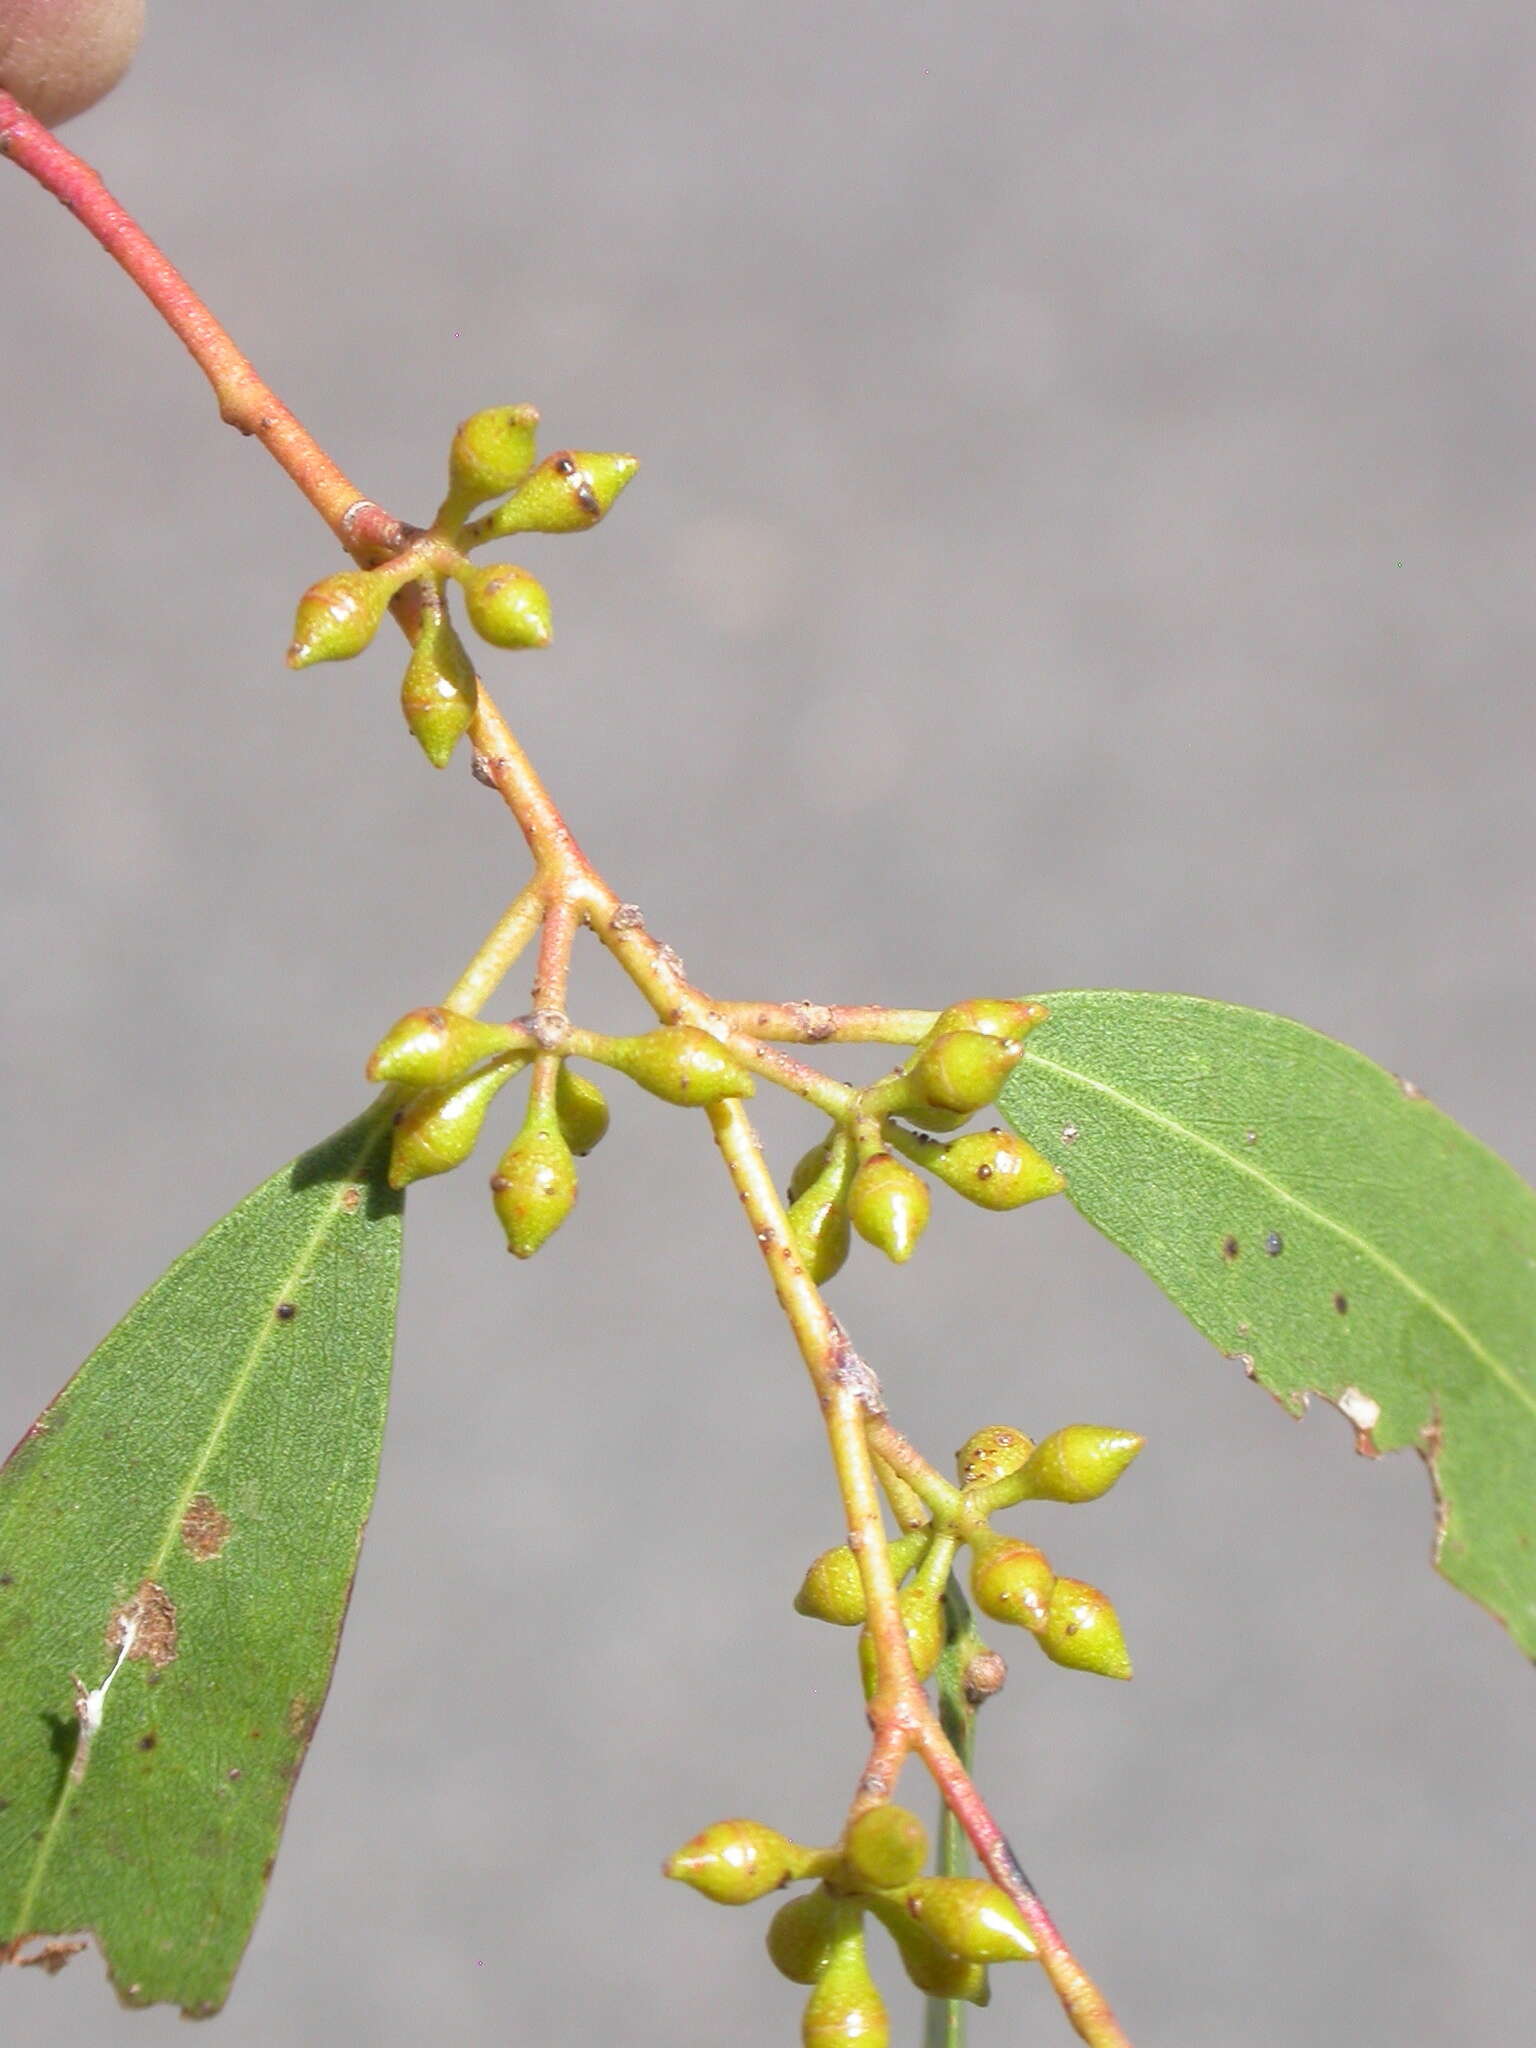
991 1015
808 1167
832 1589
992 1453
568 492
1012 1581
533 1188
506 605
433 1048
1080 1462
681 1064
845 2009
922 1614
803 1933
582 1110
736 1861
438 1129
885 1847
961 1071
491 452
931 1968
994 1169
440 693
888 1206
972 1918
1082 1631
338 616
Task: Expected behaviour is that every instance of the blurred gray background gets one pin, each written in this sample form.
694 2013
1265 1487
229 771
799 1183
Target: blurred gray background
1084 538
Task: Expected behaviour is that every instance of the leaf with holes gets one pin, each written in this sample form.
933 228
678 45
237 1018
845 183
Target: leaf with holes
178 1534
1319 1220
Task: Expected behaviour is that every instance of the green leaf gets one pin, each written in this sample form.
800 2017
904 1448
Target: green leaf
178 1534
1326 1226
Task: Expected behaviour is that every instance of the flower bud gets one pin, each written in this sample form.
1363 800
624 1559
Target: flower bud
681 1064
433 1048
994 1016
59 57
992 1453
1080 1462
994 1169
491 452
441 692
832 1589
803 1933
972 1918
1082 1631
338 616
582 1110
438 1129
506 605
886 1846
922 1614
568 492
533 1188
931 1968
1012 1581
808 1167
818 1223
961 1071
845 2009
888 1206
736 1861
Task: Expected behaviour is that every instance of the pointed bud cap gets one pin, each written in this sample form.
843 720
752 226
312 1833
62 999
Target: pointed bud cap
888 1206
491 452
972 1918
994 1169
803 1933
432 1048
845 2009
1080 1462
885 1847
931 1968
922 1614
533 1188
1012 1581
438 1129
961 1071
736 1861
507 606
832 1589
995 1016
441 692
338 616
681 1064
568 492
1083 1631
582 1111
992 1453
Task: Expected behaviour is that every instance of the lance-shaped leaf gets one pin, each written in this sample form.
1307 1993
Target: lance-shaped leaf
1323 1223
178 1533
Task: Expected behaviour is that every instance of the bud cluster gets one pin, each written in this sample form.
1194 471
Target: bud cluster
493 455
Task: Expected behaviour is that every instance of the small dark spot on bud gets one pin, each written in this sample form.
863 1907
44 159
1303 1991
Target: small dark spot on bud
286 1311
148 1741
398 1117
1274 1244
563 464
499 1183
1230 1248
984 1173
587 498
1071 1628
1341 1303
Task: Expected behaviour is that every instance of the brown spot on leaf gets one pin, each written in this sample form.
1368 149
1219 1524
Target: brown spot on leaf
1341 1304
286 1311
153 1615
350 1199
204 1528
301 1717
1230 1248
148 1741
50 1956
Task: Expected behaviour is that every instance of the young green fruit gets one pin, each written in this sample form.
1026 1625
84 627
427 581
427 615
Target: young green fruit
803 1933
338 616
506 605
59 57
972 1919
736 1861
438 1129
1012 1581
961 1071
992 1453
931 1968
885 1847
832 1590
533 1189
993 1169
1080 1462
845 2009
888 1206
441 692
681 1064
922 1614
568 492
809 1167
582 1110
1082 1631
491 452
433 1048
